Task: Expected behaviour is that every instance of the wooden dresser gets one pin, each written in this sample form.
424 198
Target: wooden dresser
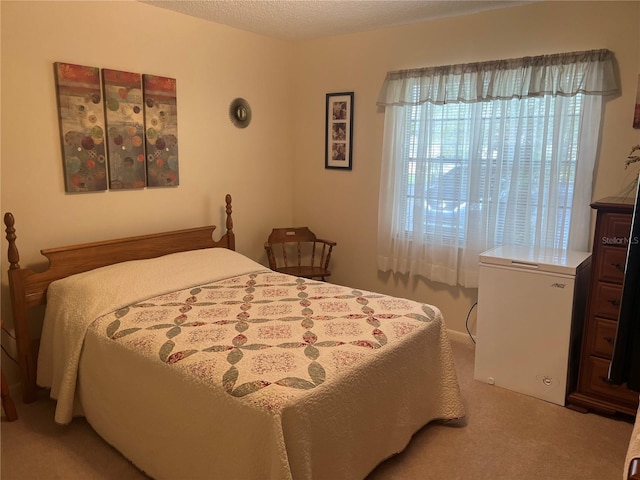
590 390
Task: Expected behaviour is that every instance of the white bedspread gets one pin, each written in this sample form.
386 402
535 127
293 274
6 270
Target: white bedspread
75 302
633 451
206 365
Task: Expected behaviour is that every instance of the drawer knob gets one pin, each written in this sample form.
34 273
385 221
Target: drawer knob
619 266
605 380
614 301
609 340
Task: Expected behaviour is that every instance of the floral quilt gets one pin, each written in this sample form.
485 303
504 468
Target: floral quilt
265 332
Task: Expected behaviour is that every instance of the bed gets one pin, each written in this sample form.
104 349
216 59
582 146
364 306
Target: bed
632 460
196 362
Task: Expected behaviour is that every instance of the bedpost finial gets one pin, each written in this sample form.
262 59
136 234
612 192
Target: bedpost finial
12 255
227 200
230 236
9 221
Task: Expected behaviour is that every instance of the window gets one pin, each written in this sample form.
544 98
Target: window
514 159
487 154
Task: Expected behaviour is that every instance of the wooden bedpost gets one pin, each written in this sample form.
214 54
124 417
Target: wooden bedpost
231 237
13 255
26 352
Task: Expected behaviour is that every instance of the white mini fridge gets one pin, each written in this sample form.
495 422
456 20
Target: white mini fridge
528 301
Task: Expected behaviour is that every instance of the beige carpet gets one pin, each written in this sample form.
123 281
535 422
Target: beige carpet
505 435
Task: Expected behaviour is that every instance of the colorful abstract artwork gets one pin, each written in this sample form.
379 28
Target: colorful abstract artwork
125 129
161 130
81 115
126 124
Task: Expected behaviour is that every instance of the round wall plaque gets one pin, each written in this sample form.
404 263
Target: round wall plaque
240 113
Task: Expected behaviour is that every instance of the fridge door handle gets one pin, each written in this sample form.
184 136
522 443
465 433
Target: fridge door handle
516 263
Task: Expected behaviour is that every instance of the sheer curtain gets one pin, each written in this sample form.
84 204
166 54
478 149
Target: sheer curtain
485 154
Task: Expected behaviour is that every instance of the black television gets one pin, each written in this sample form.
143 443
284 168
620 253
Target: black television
625 363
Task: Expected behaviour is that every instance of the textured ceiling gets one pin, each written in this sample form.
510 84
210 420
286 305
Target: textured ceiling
307 19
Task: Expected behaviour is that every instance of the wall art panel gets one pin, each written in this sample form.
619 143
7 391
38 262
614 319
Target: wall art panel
81 115
125 129
161 130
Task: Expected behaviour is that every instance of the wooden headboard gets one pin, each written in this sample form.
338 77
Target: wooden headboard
29 288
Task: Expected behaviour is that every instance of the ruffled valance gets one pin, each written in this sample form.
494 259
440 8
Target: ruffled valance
590 72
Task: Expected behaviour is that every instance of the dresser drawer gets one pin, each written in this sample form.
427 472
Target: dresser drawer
611 264
597 370
603 338
606 302
614 230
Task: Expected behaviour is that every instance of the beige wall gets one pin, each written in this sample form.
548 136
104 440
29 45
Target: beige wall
213 64
346 203
274 168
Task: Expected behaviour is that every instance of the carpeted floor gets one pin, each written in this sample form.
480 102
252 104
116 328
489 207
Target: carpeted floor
505 435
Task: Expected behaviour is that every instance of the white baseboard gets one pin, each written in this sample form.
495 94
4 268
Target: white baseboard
462 337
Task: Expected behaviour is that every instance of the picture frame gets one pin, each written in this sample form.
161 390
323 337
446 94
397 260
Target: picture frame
339 131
